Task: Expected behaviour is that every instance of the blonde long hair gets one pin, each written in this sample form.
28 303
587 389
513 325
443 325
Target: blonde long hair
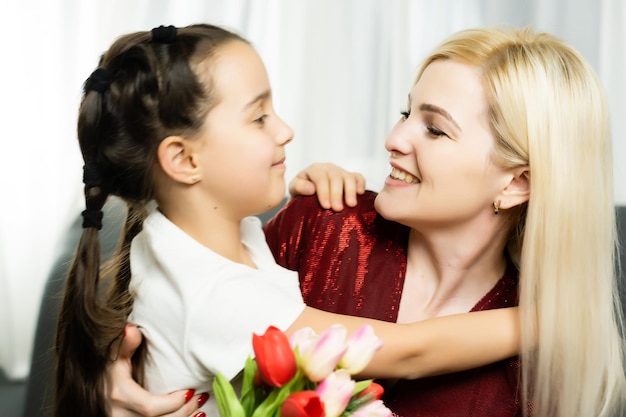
547 110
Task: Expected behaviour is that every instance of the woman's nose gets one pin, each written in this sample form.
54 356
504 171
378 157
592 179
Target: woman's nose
398 139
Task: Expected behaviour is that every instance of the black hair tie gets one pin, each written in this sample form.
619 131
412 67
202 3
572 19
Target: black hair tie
99 80
92 218
164 34
91 175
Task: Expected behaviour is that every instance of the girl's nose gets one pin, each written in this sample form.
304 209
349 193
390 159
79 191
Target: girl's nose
284 133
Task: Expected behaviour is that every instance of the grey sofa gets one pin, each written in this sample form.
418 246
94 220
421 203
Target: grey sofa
32 397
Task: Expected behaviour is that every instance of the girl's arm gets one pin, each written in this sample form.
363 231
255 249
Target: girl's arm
430 347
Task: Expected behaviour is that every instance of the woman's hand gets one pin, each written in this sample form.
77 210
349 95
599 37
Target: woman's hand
126 398
332 184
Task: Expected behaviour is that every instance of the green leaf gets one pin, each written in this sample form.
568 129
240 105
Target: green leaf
271 405
249 393
227 402
361 385
268 406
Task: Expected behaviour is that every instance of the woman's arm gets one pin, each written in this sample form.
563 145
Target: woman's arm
126 398
430 347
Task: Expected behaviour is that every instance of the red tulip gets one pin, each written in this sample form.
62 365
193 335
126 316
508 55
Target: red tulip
374 389
274 356
302 404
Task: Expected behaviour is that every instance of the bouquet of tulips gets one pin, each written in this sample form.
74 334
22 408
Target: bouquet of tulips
308 375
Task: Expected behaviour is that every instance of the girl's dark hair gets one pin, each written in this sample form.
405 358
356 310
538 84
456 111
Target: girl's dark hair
145 89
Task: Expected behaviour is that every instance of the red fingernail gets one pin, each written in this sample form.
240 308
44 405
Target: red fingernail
204 397
200 414
189 394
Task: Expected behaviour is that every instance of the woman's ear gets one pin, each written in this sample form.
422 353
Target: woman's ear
517 191
177 160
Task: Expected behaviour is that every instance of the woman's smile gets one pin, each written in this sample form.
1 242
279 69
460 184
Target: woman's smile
398 174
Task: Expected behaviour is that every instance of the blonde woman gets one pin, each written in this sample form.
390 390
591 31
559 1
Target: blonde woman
503 153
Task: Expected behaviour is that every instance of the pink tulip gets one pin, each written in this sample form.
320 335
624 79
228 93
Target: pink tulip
274 356
303 339
302 404
336 391
321 357
373 409
362 345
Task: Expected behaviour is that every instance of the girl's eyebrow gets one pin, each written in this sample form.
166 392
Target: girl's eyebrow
260 97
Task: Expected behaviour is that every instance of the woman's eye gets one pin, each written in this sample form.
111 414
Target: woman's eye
405 114
433 131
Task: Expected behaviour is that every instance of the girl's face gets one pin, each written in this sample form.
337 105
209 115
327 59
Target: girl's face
243 139
441 170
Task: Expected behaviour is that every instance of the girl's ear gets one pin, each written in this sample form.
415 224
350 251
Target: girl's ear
177 160
517 191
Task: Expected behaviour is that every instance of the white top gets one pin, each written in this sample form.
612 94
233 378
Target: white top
198 310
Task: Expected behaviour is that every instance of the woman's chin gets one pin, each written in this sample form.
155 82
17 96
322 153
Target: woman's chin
384 204
391 205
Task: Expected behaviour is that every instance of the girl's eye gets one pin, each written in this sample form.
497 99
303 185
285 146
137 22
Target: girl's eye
261 120
405 114
433 131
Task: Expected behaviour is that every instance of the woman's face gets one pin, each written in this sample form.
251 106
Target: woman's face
441 170
243 139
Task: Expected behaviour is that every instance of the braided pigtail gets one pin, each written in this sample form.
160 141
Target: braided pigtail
83 319
119 298
144 90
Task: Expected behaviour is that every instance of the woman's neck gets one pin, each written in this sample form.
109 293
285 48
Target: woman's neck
450 270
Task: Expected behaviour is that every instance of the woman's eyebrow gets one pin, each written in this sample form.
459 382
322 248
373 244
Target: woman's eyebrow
436 109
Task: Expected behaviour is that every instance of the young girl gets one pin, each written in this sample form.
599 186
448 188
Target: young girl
180 124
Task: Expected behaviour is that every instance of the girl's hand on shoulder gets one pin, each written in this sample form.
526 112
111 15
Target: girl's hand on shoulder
126 398
332 184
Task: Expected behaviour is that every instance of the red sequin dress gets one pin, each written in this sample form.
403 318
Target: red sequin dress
354 262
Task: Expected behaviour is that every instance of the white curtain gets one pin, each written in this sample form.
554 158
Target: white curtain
340 69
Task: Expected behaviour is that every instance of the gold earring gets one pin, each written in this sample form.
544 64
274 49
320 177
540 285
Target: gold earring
496 207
